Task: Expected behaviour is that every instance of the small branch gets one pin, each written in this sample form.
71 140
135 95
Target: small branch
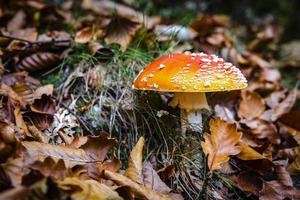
31 43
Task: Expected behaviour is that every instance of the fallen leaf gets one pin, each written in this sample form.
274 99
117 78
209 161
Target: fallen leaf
71 156
135 164
281 108
138 189
85 35
262 129
152 180
88 189
281 188
38 61
249 181
247 153
251 105
290 153
51 168
121 30
222 143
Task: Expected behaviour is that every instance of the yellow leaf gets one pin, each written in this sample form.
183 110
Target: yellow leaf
90 189
247 153
222 143
139 190
135 165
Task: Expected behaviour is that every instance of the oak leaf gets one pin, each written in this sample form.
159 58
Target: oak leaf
222 143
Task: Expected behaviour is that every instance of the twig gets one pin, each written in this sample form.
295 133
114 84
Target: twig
81 121
31 43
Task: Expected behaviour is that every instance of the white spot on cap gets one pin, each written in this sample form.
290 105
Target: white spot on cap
207 83
144 79
161 66
151 75
205 60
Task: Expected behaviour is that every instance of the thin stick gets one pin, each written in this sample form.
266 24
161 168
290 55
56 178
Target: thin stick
35 42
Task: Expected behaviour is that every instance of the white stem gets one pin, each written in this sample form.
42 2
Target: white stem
192 120
195 120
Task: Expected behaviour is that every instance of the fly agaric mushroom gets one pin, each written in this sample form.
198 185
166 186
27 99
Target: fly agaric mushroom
189 76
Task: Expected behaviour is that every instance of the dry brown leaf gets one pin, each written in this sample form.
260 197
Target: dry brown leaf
152 180
14 193
291 119
71 156
251 105
20 123
290 153
38 135
121 30
221 143
96 147
88 189
249 181
281 108
45 105
138 189
43 90
38 62
281 188
50 168
85 35
262 129
247 153
15 170
134 170
17 22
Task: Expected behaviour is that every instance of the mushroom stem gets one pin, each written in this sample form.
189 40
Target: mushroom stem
192 120
190 104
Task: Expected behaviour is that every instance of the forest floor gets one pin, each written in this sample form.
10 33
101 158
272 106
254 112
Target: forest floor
72 126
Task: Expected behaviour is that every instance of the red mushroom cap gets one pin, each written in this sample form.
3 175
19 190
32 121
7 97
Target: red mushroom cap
190 72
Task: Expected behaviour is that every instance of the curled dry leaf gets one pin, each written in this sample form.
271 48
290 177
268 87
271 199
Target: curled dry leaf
134 170
251 105
88 189
38 61
45 105
222 143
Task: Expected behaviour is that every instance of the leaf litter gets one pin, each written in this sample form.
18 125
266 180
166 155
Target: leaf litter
71 127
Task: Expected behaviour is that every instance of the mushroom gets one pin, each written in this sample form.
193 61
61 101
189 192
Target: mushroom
189 76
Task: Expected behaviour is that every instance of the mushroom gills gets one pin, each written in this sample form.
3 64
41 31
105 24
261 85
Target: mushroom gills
190 104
